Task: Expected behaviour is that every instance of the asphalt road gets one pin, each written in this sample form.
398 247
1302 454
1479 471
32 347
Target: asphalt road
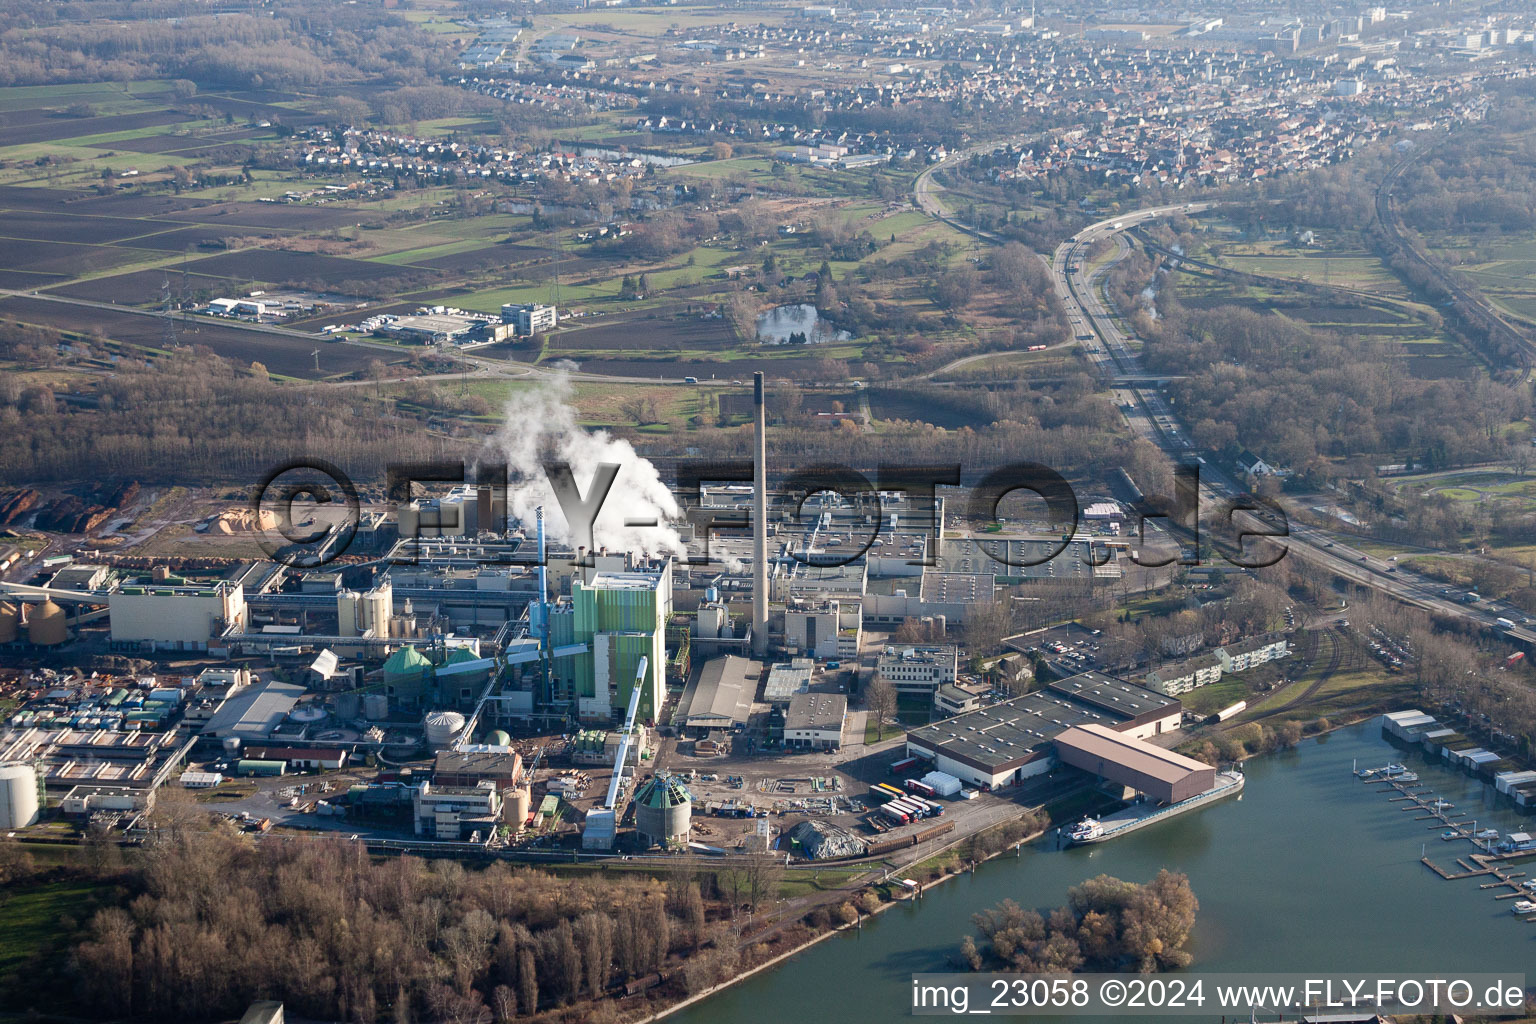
1153 418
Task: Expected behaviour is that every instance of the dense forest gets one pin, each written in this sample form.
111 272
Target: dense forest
1106 925
1070 427
191 418
1300 396
296 45
201 921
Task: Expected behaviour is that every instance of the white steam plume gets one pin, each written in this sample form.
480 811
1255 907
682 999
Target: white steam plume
539 423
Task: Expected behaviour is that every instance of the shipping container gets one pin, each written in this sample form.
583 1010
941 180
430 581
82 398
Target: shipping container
905 765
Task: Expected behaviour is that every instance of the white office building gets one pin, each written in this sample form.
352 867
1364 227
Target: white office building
918 670
529 318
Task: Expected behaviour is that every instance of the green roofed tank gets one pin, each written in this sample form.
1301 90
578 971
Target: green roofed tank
459 655
406 663
663 810
499 738
408 677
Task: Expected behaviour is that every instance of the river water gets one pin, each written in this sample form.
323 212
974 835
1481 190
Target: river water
1309 870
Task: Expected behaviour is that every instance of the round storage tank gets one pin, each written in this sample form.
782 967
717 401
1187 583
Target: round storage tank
378 608
307 713
515 808
443 727
18 795
346 613
45 626
499 738
375 707
664 810
408 519
10 622
348 706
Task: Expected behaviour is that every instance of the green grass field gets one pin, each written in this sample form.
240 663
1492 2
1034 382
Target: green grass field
1503 268
1211 698
32 916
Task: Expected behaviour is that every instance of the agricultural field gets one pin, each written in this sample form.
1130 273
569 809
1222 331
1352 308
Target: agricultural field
1502 267
1335 258
124 199
1428 353
284 355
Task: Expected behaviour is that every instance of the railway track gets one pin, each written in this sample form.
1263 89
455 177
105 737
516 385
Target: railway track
1337 641
1472 304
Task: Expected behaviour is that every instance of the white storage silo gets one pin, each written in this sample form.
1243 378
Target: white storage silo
347 606
443 727
514 810
408 519
375 707
18 795
377 609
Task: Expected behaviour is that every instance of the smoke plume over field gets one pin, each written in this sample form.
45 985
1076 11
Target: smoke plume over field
539 423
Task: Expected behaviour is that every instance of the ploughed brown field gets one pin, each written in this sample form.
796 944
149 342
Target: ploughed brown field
275 266
642 332
61 126
287 356
145 287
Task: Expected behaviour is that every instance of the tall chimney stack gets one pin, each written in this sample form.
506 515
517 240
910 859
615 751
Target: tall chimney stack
759 519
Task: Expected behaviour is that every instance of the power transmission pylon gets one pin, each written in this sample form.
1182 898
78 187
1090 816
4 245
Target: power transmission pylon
168 332
554 267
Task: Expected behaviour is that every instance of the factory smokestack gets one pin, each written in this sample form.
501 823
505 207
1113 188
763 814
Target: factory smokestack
759 519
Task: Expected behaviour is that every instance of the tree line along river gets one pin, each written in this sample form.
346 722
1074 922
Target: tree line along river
1310 870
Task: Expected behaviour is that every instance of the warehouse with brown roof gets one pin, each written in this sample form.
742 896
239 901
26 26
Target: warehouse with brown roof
1161 774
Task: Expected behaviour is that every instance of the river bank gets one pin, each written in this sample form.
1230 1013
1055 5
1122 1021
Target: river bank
914 868
834 931
1307 870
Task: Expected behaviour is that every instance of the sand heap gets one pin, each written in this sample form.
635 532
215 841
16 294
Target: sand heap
243 520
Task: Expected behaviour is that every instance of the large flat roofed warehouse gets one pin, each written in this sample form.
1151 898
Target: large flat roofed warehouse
254 713
1142 712
1014 739
721 698
1161 774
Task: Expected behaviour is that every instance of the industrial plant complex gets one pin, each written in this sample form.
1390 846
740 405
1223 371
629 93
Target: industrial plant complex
463 672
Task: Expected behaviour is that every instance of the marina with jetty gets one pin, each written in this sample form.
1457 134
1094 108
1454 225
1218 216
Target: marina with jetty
1495 853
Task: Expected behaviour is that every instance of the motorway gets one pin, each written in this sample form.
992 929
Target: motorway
1150 416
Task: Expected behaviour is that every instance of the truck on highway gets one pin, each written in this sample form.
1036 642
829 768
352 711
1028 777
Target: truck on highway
1506 623
1117 225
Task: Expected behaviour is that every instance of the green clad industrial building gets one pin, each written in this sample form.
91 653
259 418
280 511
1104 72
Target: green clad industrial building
619 617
